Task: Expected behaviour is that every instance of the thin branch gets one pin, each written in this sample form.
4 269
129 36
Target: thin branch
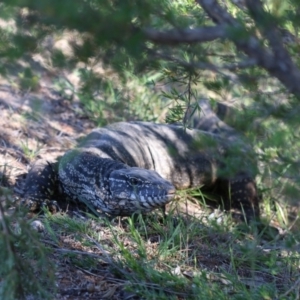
283 69
217 13
185 36
239 3
209 66
276 60
269 28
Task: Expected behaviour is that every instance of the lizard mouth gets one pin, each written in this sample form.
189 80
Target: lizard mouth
171 194
172 191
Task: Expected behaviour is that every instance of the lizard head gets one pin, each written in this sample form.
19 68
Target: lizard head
135 188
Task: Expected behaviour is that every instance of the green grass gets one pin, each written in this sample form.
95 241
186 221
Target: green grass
184 258
30 152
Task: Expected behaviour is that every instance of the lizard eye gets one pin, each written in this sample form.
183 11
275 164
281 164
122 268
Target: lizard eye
133 181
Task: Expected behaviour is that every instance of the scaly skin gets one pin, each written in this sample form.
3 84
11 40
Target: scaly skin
131 167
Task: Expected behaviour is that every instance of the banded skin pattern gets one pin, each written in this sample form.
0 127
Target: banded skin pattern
131 167
112 186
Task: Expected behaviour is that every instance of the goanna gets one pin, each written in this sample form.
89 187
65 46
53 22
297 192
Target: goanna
131 167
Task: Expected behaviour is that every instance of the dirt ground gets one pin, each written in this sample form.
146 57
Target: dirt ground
43 124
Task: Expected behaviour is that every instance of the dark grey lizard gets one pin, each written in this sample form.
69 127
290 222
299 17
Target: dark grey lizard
130 167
